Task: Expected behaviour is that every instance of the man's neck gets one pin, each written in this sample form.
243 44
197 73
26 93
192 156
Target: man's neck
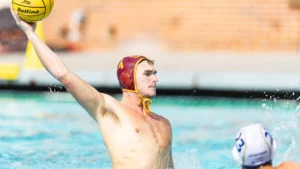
132 100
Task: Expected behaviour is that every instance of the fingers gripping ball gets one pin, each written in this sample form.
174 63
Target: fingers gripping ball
33 10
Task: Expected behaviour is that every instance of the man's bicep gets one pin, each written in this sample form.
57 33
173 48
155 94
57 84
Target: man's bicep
85 94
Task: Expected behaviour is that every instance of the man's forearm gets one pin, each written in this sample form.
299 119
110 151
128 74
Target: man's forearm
48 58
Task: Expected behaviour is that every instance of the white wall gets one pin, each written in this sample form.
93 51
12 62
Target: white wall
4 3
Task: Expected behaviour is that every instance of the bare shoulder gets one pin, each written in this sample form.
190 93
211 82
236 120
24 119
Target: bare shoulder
160 118
289 165
110 100
112 103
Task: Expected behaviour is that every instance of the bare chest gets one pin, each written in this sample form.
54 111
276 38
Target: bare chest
149 132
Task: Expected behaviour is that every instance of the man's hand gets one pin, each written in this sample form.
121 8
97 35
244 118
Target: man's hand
26 27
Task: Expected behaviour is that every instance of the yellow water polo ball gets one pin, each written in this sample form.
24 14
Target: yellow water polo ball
32 10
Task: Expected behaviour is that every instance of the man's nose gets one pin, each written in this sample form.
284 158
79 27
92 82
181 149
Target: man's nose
155 78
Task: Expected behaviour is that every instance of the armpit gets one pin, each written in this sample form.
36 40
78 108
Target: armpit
106 113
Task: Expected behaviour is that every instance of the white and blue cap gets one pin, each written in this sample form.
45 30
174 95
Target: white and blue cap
254 146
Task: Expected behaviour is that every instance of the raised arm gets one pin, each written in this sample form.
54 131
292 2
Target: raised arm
87 96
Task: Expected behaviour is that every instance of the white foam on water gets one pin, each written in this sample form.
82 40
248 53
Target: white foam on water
186 160
292 153
287 135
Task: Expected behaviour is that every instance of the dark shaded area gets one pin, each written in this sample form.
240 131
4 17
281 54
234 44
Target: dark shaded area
294 4
292 95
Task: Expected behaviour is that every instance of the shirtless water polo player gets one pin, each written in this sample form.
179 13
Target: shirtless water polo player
135 137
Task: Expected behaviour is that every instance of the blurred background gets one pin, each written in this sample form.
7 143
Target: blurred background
230 26
218 61
212 45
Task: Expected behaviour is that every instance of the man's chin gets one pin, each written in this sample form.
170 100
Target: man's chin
153 95
150 95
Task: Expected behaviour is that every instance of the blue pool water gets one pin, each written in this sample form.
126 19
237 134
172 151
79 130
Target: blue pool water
50 130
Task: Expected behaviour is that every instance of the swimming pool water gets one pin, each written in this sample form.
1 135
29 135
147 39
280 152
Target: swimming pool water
50 130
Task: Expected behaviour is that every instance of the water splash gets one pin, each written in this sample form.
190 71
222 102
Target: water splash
187 160
287 135
292 153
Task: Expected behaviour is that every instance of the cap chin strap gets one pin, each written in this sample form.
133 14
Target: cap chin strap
146 102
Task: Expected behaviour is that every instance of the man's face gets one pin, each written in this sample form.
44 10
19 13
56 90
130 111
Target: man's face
146 79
